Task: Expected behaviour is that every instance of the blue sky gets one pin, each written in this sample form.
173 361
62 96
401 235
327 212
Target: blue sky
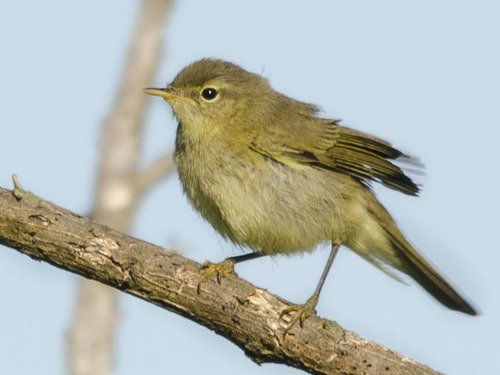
424 75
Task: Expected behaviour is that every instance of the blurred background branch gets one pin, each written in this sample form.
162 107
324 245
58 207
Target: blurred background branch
119 188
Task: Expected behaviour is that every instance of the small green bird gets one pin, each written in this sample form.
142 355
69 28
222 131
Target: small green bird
269 174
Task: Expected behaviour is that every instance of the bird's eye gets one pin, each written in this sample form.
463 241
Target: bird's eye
209 93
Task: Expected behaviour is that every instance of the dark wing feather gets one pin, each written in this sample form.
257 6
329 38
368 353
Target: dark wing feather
326 144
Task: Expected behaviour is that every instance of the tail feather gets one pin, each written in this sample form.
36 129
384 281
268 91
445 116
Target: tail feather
422 272
406 259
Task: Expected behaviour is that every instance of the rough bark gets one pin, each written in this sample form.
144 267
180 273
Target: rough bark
235 309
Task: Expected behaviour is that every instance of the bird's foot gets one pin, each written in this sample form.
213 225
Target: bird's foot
226 267
302 312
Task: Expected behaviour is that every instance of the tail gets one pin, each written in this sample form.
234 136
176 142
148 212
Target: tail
390 246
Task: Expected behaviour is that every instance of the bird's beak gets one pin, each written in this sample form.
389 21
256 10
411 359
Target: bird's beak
165 93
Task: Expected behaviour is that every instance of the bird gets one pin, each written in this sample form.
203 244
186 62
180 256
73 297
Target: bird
271 175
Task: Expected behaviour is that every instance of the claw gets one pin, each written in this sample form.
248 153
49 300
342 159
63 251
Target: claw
302 312
226 267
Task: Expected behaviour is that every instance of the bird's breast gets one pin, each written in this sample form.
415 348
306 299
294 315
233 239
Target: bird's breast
258 202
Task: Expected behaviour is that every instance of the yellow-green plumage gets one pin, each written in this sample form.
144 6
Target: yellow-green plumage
269 174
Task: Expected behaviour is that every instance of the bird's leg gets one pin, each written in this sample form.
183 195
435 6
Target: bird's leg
226 267
309 308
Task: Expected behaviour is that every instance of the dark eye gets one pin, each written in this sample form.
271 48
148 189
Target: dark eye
209 93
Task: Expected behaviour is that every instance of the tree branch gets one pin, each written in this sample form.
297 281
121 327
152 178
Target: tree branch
161 167
90 340
236 309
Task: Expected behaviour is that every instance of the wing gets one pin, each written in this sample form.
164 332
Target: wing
325 144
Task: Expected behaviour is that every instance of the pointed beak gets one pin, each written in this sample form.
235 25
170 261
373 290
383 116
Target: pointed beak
168 94
165 93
